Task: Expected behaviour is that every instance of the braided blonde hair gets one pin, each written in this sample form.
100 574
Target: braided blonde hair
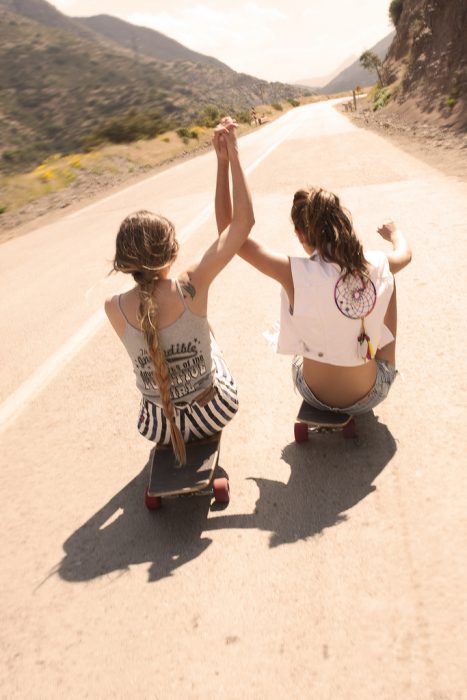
145 245
328 228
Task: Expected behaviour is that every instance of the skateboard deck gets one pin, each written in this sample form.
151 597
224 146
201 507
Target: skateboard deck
196 477
314 420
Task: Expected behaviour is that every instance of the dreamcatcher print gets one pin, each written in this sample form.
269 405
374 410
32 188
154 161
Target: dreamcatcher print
355 297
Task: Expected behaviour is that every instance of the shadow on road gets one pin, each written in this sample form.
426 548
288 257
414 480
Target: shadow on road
124 533
329 475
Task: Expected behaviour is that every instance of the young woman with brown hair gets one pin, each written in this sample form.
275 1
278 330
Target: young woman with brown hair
187 390
338 309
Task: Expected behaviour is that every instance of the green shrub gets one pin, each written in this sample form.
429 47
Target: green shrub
2 209
209 116
294 103
15 160
183 132
450 102
277 106
132 126
186 134
243 117
381 97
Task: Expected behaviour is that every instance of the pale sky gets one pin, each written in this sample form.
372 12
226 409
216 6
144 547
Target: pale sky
284 40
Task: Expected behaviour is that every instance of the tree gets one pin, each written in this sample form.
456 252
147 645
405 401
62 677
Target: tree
395 11
372 62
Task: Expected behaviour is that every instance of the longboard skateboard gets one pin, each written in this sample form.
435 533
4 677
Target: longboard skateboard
195 478
313 420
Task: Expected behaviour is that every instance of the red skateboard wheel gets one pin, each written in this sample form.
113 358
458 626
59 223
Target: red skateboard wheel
221 490
152 502
301 432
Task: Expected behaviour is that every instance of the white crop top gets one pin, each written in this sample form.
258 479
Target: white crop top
316 328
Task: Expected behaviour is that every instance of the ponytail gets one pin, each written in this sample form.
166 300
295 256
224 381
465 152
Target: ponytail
148 321
146 244
328 228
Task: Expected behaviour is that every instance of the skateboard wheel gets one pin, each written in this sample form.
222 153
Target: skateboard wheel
301 432
348 430
221 490
152 502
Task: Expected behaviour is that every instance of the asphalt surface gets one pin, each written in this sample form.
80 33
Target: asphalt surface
338 568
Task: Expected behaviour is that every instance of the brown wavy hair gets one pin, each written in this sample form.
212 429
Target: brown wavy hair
327 227
145 245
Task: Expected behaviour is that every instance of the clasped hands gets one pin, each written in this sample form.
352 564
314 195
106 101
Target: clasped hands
225 139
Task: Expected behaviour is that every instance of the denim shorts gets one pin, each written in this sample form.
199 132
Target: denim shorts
385 375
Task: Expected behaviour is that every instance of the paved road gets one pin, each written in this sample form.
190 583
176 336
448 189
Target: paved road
338 570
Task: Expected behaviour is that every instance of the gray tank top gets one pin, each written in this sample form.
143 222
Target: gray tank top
187 348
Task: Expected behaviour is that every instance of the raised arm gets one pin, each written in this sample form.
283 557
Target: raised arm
401 254
265 260
222 201
242 220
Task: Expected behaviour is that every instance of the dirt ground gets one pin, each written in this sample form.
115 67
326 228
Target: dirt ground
439 147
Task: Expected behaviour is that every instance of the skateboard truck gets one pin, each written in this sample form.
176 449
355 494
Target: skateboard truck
313 420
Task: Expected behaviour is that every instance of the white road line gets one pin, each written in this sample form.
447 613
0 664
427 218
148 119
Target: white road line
13 405
17 401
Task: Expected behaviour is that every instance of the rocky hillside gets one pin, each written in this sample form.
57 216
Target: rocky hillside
428 58
63 82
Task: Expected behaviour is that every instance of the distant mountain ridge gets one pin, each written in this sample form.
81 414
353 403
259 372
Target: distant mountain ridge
321 81
64 78
355 75
45 13
145 41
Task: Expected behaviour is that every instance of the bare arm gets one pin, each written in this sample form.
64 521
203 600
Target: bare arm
401 254
242 219
265 260
222 201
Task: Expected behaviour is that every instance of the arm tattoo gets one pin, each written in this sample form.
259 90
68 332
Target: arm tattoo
188 289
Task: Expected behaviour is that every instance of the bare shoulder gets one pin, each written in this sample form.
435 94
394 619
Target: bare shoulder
114 314
188 281
111 306
194 289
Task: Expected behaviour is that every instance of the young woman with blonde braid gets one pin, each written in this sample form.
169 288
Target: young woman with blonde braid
187 390
338 303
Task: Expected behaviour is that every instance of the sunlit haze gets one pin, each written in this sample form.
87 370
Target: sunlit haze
286 40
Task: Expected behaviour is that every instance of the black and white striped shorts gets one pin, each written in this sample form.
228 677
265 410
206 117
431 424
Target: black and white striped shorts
194 421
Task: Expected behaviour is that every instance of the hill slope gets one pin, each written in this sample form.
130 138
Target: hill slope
356 75
142 40
429 58
62 81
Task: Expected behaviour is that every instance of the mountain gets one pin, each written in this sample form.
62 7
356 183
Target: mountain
141 40
63 80
355 74
325 79
44 13
428 62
